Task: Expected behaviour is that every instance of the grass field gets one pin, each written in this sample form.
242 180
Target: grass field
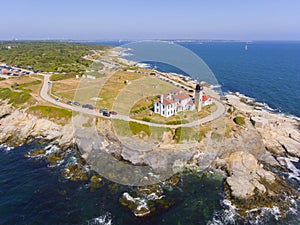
15 98
180 135
114 85
55 114
138 89
31 84
65 88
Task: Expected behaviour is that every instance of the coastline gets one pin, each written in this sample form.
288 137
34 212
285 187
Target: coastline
238 147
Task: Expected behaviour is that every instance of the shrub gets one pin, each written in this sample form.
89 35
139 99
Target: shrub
146 119
239 120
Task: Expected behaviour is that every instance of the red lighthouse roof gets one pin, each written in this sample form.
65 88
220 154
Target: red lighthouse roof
205 98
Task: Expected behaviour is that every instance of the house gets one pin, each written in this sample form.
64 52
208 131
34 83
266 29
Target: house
165 106
177 101
173 102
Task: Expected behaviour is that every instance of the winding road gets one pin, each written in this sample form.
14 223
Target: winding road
45 96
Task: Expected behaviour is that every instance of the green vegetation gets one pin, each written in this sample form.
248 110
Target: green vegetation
227 131
2 78
177 135
49 56
15 98
50 112
17 86
56 77
137 128
239 120
146 119
177 122
187 134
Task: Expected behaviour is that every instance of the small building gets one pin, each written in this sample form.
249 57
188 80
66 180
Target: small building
258 122
206 100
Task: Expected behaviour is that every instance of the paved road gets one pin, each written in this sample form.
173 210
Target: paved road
44 95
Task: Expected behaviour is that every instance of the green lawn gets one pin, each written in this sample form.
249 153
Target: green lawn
50 112
15 98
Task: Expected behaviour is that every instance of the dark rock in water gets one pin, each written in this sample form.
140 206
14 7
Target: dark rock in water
113 187
250 186
164 203
53 160
172 181
75 173
137 205
95 182
145 200
36 153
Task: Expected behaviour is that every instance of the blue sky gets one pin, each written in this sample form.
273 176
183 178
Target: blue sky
155 19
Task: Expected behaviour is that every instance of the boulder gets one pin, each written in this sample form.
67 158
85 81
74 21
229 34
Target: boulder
246 175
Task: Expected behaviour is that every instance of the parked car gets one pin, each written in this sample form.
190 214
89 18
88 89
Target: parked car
76 103
57 99
88 106
105 113
69 102
102 110
113 112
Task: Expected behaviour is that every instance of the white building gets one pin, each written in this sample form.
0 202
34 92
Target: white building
178 101
206 100
173 102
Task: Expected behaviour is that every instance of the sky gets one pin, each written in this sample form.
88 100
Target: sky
155 19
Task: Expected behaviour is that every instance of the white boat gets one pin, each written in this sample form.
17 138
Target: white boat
246 47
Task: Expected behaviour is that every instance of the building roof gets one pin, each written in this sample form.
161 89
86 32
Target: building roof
190 103
166 101
181 96
205 98
177 91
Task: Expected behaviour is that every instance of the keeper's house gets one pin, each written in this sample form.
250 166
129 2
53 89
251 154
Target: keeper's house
173 102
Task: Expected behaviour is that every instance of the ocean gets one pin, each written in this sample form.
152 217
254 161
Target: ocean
33 193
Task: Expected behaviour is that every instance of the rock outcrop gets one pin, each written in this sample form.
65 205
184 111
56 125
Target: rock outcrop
17 127
245 175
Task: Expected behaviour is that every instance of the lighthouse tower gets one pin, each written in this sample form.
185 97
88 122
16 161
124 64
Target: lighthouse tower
198 97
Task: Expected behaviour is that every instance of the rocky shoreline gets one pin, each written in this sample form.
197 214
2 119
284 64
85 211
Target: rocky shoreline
246 154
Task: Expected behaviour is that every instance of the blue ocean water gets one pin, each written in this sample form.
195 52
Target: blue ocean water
33 193
267 71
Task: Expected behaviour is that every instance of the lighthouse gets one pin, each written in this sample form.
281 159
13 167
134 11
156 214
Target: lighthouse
198 97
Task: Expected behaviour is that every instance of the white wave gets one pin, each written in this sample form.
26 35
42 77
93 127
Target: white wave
140 204
126 54
263 215
218 86
101 220
143 65
295 172
5 147
226 216
264 105
51 150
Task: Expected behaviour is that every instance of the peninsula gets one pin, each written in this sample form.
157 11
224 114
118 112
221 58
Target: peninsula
97 92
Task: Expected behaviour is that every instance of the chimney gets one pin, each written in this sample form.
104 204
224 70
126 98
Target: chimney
161 98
